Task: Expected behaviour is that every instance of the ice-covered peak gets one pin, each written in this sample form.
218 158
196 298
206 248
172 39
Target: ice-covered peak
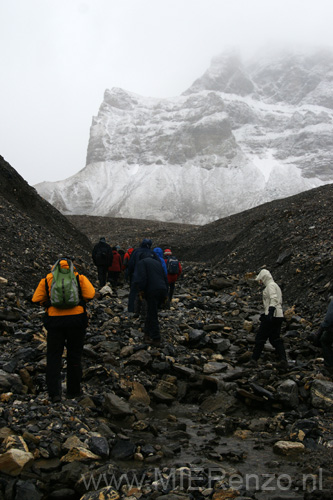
241 135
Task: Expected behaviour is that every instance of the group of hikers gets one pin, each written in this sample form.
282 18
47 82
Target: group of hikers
151 274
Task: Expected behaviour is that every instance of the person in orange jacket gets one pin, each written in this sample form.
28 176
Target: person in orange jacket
115 269
172 277
64 327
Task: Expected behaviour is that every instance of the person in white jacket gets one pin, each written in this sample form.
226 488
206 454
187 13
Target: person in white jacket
271 319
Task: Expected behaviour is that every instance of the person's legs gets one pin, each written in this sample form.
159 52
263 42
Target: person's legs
152 328
131 298
75 342
55 348
171 291
102 273
260 340
276 340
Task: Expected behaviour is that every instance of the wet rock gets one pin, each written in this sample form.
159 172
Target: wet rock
10 382
117 406
287 393
27 491
99 446
322 394
13 461
123 449
288 448
140 358
220 283
214 367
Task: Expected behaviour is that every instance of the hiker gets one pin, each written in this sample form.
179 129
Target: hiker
152 285
174 269
126 259
139 253
115 269
102 257
324 337
159 253
121 252
271 320
65 326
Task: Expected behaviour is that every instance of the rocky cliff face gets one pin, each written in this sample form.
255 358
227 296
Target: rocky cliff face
241 135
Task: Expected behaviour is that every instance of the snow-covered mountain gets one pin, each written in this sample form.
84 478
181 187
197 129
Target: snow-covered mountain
241 135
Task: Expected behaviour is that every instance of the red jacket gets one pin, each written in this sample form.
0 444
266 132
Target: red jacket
127 257
116 262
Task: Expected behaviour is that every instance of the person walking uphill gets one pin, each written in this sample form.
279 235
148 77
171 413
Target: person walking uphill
139 253
174 269
324 338
65 323
115 269
102 257
271 320
152 285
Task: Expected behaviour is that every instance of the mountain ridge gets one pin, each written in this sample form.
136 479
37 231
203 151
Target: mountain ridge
238 137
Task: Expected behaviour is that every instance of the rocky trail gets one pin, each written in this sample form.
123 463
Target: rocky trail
190 419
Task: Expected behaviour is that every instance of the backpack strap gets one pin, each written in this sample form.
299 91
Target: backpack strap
82 301
48 302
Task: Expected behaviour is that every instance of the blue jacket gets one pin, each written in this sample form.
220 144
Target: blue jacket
159 253
150 277
140 253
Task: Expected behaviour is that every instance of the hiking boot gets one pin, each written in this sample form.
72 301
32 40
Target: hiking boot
55 399
327 370
282 365
253 363
155 342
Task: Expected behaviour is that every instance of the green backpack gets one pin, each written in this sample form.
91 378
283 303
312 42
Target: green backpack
65 287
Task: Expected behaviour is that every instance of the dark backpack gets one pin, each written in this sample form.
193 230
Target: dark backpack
103 255
172 265
65 291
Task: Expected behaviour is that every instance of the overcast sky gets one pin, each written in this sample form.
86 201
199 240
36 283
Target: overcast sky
59 56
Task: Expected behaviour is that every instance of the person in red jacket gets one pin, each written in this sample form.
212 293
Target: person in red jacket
172 276
126 260
115 268
64 327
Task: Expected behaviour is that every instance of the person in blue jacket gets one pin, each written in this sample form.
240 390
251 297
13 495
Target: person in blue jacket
139 253
152 285
159 253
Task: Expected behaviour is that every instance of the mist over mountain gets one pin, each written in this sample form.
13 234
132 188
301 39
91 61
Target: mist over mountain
243 134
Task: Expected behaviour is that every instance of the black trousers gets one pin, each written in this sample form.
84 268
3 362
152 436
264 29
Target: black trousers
269 330
171 290
102 272
154 301
113 277
57 338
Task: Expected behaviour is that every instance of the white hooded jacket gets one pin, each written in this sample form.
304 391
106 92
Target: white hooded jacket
272 295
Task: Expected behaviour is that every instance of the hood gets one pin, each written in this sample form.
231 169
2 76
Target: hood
159 252
264 276
146 243
63 264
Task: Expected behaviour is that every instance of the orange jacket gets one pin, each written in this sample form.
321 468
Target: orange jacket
40 295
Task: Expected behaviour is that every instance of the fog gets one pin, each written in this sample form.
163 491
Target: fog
58 58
